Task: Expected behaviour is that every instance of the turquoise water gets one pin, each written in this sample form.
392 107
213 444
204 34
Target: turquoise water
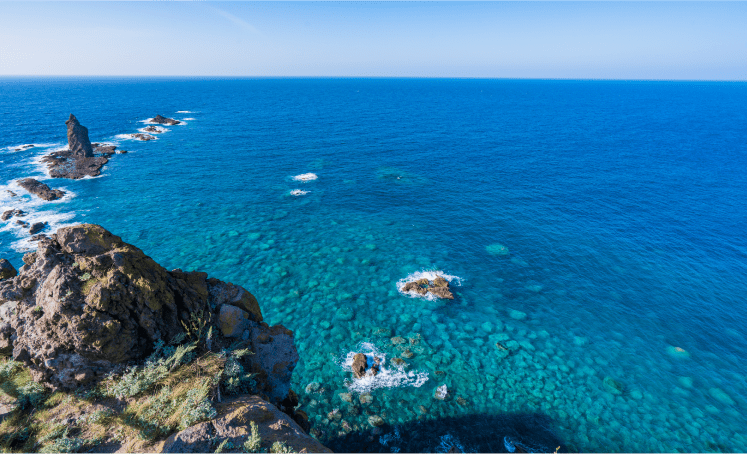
619 308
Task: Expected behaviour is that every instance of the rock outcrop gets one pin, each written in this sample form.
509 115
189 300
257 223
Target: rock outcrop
77 139
161 120
7 270
10 213
86 303
153 129
142 137
40 189
439 287
81 158
361 367
37 227
232 424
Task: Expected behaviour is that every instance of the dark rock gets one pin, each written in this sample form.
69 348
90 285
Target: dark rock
143 137
122 152
12 194
24 147
105 303
80 159
104 150
7 270
23 223
77 139
164 121
39 237
10 213
37 227
439 287
441 292
40 189
153 129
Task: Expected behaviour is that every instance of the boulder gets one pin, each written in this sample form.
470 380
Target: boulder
86 303
360 363
233 321
153 129
10 213
24 147
164 121
142 137
37 227
439 287
6 270
233 424
40 189
77 139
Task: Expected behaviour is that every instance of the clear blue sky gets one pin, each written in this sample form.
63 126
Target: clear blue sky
611 40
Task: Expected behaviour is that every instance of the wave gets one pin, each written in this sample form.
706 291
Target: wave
386 378
27 146
187 119
160 130
306 177
184 111
425 274
298 192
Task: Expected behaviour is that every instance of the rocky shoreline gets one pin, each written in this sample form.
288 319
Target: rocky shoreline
86 309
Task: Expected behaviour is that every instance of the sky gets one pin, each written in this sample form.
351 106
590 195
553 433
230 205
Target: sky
527 39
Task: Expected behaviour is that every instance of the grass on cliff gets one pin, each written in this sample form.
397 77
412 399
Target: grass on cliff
170 391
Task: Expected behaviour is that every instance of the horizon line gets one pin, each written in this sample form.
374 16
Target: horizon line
600 79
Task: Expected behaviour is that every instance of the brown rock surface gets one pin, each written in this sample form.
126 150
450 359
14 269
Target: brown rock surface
7 270
81 158
164 121
233 424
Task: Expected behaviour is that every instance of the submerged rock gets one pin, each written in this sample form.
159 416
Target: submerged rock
40 189
164 121
613 386
79 159
7 270
441 393
497 250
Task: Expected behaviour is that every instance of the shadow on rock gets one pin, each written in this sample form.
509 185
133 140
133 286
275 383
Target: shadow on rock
517 432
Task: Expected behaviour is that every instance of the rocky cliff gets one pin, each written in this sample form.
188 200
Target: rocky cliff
86 309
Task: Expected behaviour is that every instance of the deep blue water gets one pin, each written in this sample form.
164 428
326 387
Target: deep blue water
623 206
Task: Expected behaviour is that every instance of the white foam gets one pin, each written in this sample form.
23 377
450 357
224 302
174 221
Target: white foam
149 121
386 378
306 177
298 192
184 111
427 274
187 119
34 146
132 137
30 205
159 130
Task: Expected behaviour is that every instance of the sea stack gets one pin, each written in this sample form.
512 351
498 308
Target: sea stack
77 139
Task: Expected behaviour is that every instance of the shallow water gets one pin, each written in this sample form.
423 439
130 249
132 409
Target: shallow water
594 232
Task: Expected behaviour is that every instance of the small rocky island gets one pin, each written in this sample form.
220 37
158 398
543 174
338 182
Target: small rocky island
80 159
439 287
40 190
161 120
111 352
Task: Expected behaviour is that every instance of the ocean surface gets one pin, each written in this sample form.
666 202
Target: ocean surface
593 233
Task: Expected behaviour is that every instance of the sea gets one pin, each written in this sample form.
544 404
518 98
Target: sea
592 232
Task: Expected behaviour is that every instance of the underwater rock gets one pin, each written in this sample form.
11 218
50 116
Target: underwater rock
346 397
613 386
397 340
313 387
497 250
79 159
10 213
40 189
7 270
365 398
375 420
161 120
37 227
678 352
517 315
721 396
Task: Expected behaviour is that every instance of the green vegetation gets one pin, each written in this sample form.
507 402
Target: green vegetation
169 391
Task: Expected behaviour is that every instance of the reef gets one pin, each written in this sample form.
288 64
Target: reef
88 311
439 287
